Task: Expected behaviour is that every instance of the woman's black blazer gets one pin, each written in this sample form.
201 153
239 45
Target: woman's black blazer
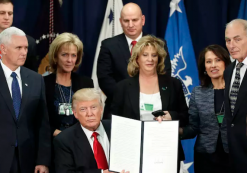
126 100
78 82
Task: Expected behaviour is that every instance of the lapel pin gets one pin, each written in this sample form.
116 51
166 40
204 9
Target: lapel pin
164 88
26 84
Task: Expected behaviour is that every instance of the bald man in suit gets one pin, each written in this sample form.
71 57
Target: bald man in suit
236 94
115 53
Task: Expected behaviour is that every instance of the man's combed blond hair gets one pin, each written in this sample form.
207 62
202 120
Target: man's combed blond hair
67 39
149 40
86 94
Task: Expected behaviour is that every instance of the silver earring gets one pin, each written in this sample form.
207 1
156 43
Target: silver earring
205 73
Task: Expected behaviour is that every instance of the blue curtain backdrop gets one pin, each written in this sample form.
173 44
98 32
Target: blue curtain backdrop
206 19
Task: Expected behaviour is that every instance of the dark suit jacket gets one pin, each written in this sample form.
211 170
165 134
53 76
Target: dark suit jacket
31 61
236 123
203 122
78 82
73 153
126 100
112 65
31 130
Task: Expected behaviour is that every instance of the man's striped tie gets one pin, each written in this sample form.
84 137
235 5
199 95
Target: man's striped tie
235 87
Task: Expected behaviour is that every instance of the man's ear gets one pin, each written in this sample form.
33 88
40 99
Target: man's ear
101 110
120 20
143 20
75 113
3 49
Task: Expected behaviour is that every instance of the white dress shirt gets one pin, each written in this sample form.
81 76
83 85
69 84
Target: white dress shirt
153 99
242 72
7 72
102 138
129 40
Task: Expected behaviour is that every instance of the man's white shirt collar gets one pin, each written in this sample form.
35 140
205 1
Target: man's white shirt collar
8 72
103 139
100 130
129 40
244 61
242 73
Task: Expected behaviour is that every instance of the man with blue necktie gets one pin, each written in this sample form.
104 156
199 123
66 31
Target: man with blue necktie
24 126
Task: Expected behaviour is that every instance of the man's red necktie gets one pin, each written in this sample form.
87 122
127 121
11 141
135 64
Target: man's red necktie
99 153
133 43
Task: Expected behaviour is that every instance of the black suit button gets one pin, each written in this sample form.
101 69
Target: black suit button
232 125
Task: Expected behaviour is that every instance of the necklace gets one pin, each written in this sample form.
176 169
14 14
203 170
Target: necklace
62 94
65 106
220 88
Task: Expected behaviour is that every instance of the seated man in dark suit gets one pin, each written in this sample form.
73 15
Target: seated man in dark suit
115 53
84 147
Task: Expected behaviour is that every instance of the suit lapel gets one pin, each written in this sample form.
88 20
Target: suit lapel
165 90
4 91
208 94
107 127
51 85
82 143
134 95
134 92
124 47
228 77
26 85
75 83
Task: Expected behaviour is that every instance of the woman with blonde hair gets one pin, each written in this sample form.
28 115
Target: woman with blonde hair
149 89
65 56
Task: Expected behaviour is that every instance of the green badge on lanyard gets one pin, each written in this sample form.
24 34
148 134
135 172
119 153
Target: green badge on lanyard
220 115
148 107
220 118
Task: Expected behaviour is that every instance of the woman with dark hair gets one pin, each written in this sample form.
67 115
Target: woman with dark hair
206 113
